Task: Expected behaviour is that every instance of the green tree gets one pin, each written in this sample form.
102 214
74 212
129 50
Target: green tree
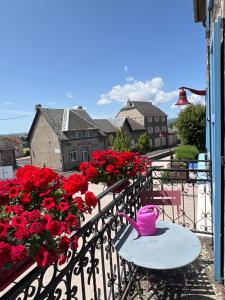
120 142
143 142
190 126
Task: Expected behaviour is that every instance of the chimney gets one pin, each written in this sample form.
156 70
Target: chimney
37 106
129 102
79 107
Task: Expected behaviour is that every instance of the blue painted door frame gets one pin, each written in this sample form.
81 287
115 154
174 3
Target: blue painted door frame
215 120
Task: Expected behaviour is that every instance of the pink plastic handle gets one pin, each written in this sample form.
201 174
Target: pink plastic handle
157 212
145 209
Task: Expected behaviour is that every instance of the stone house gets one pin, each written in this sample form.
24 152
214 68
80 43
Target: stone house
152 118
62 138
7 153
17 142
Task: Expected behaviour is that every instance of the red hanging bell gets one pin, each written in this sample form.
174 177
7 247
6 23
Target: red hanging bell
182 100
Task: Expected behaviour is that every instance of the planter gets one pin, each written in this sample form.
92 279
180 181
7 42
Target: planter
119 189
8 276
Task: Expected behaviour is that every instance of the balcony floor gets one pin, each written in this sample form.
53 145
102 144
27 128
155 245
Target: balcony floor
199 283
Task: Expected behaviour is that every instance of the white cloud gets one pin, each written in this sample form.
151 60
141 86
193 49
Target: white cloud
125 68
149 90
69 95
130 79
8 103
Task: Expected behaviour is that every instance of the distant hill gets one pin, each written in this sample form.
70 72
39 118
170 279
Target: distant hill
19 135
171 121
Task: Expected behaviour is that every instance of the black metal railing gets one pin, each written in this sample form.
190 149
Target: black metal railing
95 271
195 187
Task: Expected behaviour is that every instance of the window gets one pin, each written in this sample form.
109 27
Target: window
132 142
157 119
73 155
163 128
163 119
156 128
149 119
77 134
150 129
88 133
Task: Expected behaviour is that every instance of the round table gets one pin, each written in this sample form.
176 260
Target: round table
171 247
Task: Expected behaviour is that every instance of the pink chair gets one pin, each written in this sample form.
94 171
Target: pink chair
161 198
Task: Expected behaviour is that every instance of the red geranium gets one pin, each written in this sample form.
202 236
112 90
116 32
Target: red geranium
38 210
111 166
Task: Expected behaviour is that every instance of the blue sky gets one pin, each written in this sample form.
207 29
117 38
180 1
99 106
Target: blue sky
95 53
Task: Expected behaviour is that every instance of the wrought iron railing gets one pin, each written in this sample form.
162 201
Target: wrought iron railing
194 185
96 271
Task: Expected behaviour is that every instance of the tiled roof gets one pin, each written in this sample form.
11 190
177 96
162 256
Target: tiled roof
118 122
55 119
82 113
145 108
78 122
135 125
105 125
6 144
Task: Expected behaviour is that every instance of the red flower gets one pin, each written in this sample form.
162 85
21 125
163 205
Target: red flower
18 252
64 244
110 169
78 201
3 230
48 203
46 221
90 199
63 206
18 221
18 209
33 215
55 228
71 219
21 233
14 192
74 242
43 258
91 173
62 260
36 228
26 198
75 183
8 209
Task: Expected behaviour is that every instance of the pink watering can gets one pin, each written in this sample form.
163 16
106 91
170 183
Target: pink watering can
146 219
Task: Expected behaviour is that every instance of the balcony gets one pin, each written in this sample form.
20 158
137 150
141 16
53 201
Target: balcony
97 272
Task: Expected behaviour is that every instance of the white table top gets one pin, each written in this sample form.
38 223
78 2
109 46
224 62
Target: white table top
171 247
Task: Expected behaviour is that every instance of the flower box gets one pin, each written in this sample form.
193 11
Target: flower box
9 275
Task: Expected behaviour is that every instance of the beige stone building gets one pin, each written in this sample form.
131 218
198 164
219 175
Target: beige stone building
152 118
